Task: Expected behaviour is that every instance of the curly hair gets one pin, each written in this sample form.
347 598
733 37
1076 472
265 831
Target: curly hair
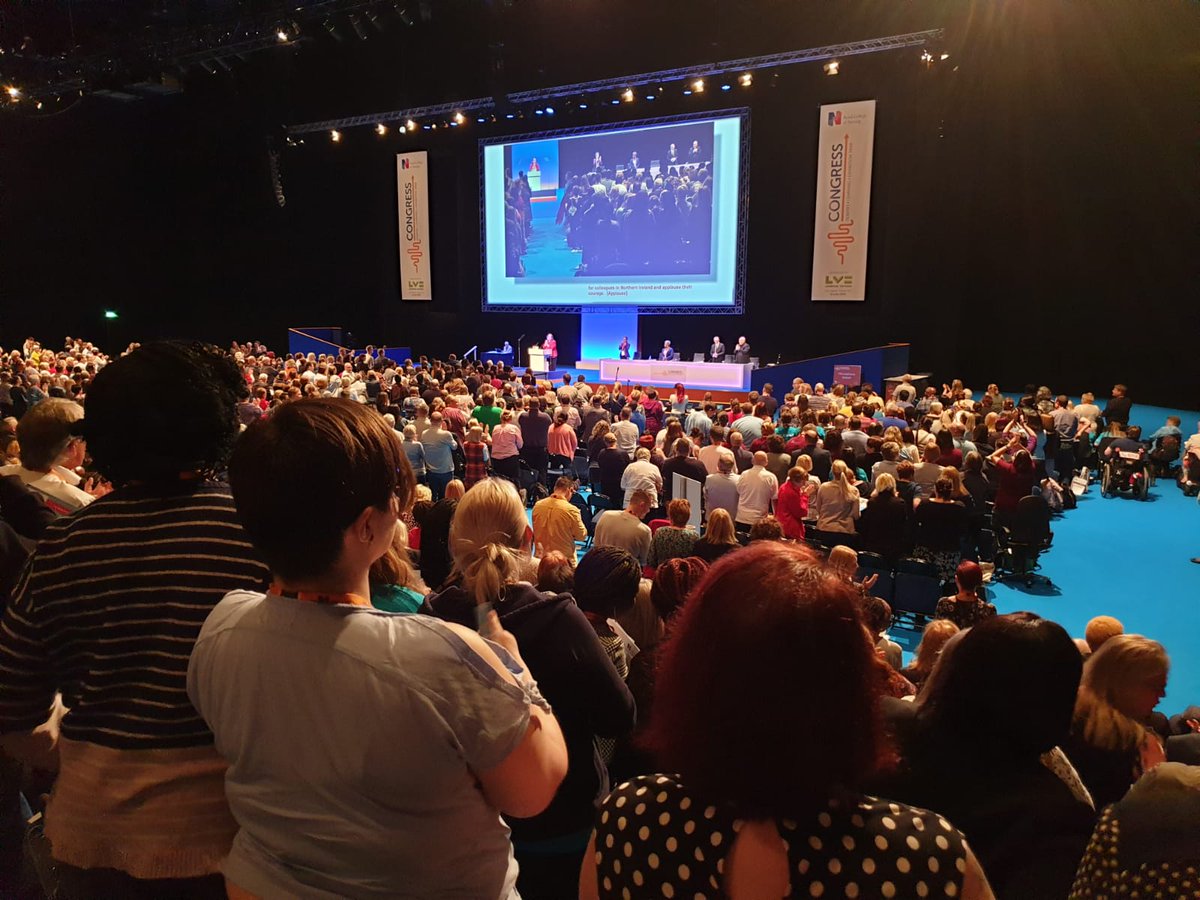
132 437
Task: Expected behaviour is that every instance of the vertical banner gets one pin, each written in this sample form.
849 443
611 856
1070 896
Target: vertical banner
412 194
843 201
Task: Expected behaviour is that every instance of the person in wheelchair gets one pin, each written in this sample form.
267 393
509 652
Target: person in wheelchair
1125 463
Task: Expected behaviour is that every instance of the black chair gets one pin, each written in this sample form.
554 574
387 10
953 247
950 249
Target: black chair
593 478
580 466
915 597
873 564
557 467
527 476
597 504
1026 537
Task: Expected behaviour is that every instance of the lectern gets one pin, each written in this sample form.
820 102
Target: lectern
537 361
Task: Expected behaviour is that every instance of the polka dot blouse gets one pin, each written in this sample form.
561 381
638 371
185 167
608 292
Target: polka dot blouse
1105 872
656 839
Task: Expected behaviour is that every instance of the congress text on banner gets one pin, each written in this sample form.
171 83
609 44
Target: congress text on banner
847 138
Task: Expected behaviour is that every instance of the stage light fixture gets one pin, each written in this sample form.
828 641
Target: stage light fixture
405 15
480 119
335 136
687 92
509 116
459 118
538 112
945 56
831 67
282 36
726 87
698 86
14 93
357 25
651 97
583 106
926 57
39 104
746 79
410 125
204 64
373 18
549 110
627 96
333 30
381 129
616 103
111 314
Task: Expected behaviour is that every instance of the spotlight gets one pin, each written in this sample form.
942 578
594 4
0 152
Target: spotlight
616 103
357 25
405 16
926 57
459 118
39 104
335 136
426 127
480 119
381 129
14 93
698 86
223 64
831 67
373 18
549 110
282 36
746 79
651 97
208 67
511 116
583 106
945 56
687 92
627 96
410 125
726 87
538 112
333 31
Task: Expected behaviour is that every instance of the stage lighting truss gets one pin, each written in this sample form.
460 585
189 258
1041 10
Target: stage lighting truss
624 85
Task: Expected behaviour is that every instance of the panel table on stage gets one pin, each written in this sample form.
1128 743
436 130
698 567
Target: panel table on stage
711 376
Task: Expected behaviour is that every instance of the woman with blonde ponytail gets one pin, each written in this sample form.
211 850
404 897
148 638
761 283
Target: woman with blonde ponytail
488 540
837 505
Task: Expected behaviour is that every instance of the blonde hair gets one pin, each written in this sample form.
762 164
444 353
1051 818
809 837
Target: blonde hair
955 477
719 527
933 639
842 561
394 566
804 463
884 482
487 531
844 479
641 621
1122 662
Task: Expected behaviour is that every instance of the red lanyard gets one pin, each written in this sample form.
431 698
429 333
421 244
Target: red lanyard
315 597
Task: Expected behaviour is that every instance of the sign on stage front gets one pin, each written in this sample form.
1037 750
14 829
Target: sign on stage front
412 198
847 139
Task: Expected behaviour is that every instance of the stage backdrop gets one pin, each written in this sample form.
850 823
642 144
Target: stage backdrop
847 138
412 197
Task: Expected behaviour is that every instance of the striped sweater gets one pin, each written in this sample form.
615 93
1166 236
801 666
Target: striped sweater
106 613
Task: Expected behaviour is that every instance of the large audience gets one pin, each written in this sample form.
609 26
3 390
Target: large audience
346 626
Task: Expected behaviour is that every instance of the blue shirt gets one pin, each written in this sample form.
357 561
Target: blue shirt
439 447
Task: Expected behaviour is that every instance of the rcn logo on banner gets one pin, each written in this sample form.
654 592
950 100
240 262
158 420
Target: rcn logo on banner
404 163
835 118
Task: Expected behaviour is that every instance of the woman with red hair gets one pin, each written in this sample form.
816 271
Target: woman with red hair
766 798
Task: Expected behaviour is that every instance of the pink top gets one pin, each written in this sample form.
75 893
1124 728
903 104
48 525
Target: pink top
561 440
506 441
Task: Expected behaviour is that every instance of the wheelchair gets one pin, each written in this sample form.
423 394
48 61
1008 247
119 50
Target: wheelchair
1126 472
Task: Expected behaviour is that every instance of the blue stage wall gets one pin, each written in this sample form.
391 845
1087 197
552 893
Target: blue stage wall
877 364
601 330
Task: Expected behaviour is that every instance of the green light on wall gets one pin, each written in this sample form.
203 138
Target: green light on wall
110 314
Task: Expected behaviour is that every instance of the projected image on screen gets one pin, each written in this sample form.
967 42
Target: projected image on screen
642 215
630 203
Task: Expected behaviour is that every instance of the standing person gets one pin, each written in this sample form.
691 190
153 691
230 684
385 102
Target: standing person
624 528
439 447
561 440
673 541
1118 406
721 487
588 696
475 455
557 523
747 803
792 506
623 348
642 474
716 351
414 452
312 656
139 807
741 351
535 426
550 346
626 433
757 489
837 507
506 446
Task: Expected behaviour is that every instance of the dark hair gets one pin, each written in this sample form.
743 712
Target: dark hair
945 441
799 628
607 581
766 529
1023 462
1005 690
132 439
944 488
321 462
673 581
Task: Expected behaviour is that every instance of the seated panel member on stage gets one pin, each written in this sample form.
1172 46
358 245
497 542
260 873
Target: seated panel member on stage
741 353
623 349
667 353
716 353
550 345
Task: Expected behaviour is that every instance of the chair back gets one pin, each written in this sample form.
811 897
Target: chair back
656 524
597 503
1031 522
916 595
582 468
913 566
